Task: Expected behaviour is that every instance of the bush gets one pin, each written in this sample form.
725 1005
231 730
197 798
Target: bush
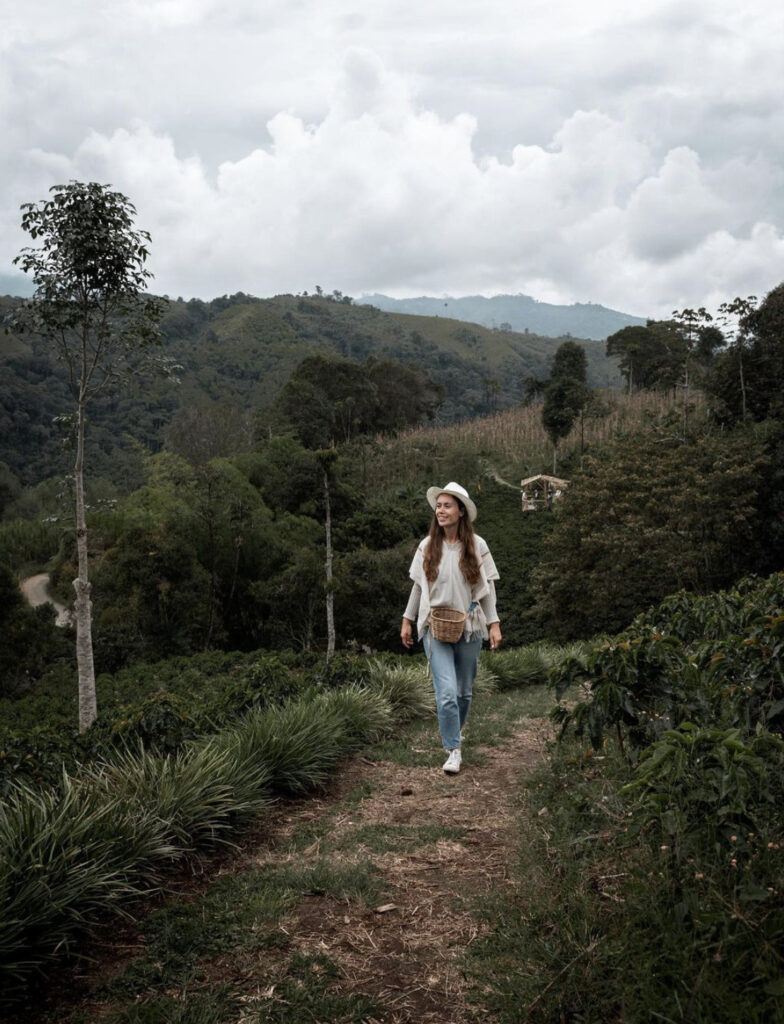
714 661
653 879
405 685
67 855
531 665
159 707
200 796
72 852
655 900
703 791
299 742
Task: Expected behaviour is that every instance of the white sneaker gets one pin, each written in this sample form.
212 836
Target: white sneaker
452 763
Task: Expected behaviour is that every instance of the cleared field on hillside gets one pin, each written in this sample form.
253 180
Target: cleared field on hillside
513 443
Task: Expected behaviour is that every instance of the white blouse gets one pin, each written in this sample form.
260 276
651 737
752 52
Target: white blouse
451 589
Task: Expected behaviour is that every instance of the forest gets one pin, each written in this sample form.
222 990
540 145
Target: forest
254 483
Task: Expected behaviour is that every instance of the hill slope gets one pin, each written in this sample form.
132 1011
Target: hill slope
519 312
239 351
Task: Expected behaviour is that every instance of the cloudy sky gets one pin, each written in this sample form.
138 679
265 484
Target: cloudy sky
627 154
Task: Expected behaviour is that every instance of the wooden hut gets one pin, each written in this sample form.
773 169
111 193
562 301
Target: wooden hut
541 491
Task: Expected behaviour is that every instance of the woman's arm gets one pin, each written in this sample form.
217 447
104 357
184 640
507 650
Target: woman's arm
488 604
410 616
491 616
495 636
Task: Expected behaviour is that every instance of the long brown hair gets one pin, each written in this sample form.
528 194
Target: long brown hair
469 561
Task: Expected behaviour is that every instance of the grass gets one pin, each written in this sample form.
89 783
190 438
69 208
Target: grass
69 854
364 788
186 1008
111 832
307 991
198 953
240 914
304 991
393 838
492 721
608 929
548 954
415 745
195 952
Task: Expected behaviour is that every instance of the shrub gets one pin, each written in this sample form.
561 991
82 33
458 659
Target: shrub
299 742
697 788
366 714
712 660
67 855
159 707
405 685
645 901
71 852
530 665
200 796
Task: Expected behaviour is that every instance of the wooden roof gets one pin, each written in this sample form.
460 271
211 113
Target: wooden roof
555 481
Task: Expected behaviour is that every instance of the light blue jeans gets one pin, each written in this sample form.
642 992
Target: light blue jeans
453 667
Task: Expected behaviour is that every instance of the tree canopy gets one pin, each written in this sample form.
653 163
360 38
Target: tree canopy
647 516
332 401
566 393
746 380
666 353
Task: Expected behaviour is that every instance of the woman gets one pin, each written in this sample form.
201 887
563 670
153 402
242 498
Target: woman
452 568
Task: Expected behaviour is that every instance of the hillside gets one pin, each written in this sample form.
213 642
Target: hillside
519 312
240 351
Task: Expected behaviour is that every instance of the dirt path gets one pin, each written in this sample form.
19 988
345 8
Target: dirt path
35 589
500 480
436 844
408 952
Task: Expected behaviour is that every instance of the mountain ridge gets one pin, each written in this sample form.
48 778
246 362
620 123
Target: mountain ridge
520 312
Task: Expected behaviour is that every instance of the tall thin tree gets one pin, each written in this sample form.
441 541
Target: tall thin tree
90 303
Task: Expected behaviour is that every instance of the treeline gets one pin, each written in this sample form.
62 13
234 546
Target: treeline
229 553
234 355
223 545
737 357
693 501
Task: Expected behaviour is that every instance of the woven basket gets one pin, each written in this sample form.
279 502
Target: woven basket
447 624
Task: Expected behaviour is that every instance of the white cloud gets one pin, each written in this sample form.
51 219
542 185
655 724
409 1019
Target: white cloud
674 210
627 156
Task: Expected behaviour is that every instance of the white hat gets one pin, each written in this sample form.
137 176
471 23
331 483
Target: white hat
457 492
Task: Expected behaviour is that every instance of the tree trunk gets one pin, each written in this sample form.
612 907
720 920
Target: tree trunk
213 587
742 384
686 384
328 567
555 458
88 708
238 542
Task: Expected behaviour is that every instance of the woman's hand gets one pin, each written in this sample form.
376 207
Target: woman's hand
406 634
495 636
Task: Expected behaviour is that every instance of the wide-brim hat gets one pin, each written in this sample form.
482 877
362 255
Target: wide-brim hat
457 492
